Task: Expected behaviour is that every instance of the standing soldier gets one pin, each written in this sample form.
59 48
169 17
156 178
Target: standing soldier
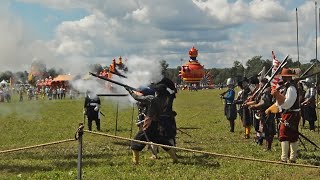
266 128
309 104
243 110
151 125
288 104
230 109
92 109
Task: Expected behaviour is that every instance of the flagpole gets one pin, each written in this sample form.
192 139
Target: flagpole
316 15
297 36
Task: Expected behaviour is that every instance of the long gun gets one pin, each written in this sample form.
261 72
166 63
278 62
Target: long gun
283 63
306 72
110 80
118 74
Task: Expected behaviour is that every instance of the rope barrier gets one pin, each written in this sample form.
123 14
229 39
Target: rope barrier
36 146
204 152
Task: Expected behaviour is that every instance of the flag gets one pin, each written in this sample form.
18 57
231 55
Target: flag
277 78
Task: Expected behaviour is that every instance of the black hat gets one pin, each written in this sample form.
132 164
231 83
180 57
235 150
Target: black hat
166 81
161 89
254 79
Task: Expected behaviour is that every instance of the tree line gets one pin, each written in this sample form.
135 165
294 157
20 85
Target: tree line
219 75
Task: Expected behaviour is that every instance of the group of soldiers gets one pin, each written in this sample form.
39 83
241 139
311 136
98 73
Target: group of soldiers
271 110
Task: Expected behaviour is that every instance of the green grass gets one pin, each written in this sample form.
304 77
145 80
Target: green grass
199 113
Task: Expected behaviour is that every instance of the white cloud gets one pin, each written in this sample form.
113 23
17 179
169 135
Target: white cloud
222 30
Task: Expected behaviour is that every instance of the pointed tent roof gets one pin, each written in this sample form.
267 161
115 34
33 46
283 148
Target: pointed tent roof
3 82
63 78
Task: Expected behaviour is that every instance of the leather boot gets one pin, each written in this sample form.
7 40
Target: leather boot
172 154
135 157
231 125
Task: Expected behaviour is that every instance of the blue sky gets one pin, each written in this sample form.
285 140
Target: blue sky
96 31
42 19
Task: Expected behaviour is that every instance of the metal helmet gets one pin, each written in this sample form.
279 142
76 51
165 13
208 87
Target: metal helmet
230 81
309 80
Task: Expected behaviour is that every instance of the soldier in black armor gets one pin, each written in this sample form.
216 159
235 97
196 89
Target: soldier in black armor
151 128
92 106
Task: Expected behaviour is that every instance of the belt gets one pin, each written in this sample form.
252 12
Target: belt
292 110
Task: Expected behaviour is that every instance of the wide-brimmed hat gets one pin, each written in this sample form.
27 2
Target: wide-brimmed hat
287 72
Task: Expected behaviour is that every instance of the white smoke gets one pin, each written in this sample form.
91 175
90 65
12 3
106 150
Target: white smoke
141 72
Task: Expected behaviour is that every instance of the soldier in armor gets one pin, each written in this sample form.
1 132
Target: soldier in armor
151 129
230 109
309 103
92 107
289 106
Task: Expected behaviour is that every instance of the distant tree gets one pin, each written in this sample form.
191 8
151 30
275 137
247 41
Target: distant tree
164 67
237 69
254 66
53 72
20 76
6 75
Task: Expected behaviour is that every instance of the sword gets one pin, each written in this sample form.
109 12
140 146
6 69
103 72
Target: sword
102 114
184 132
304 137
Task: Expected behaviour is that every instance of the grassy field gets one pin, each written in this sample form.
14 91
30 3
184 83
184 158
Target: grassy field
199 113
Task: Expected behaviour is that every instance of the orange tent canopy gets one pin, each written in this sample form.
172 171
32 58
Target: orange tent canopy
63 78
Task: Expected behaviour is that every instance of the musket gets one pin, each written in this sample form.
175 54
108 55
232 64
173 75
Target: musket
112 81
282 64
309 69
268 71
112 94
118 74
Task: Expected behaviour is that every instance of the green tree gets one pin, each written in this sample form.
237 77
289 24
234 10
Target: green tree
164 67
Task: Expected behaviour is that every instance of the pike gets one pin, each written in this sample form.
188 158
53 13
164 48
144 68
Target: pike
112 81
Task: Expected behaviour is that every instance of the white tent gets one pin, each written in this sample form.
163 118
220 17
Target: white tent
4 83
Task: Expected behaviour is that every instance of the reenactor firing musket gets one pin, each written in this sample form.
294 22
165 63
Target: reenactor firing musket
115 82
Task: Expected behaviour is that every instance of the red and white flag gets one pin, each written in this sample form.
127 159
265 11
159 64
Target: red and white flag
275 63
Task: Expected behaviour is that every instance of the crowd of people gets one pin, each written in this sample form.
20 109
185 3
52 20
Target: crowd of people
272 111
26 91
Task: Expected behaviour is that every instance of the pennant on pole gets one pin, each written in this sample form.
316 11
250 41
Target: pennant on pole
277 78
